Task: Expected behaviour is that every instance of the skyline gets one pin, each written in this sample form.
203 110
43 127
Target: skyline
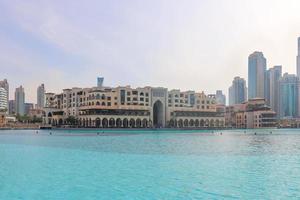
130 44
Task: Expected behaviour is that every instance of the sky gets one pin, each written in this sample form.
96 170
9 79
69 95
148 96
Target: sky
196 45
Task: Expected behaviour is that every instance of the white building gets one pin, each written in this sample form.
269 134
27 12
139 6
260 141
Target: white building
40 96
3 99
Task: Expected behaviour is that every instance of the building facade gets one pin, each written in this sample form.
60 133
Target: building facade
298 58
3 100
289 96
12 107
252 114
4 84
40 96
272 97
237 91
20 101
126 107
257 65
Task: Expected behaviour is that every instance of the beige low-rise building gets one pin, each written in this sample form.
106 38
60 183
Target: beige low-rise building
124 107
3 120
251 114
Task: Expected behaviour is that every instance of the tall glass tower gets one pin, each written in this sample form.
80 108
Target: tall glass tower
298 58
257 65
289 96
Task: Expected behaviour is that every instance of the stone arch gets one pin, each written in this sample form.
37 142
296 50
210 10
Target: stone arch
132 123
125 123
97 103
186 123
111 122
202 123
105 123
217 123
98 122
138 123
119 123
197 123
207 122
211 123
60 122
180 123
191 123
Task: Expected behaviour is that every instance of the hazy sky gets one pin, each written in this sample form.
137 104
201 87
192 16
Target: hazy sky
191 44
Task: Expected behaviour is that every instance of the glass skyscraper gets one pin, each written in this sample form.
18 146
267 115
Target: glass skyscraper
237 91
289 96
256 75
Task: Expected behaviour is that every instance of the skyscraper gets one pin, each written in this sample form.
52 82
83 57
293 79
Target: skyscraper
272 97
257 66
298 58
4 84
289 96
20 100
40 96
100 81
3 100
12 107
220 97
237 91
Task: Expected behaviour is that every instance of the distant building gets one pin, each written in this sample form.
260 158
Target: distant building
41 96
28 108
257 66
237 91
20 100
298 58
12 107
272 82
220 97
4 84
289 96
251 114
3 100
100 81
126 107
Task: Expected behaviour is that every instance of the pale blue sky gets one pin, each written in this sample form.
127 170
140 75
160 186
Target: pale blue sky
190 44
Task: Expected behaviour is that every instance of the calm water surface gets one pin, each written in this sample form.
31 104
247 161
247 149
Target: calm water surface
80 164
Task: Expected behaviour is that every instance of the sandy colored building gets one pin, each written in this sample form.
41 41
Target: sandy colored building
251 114
124 107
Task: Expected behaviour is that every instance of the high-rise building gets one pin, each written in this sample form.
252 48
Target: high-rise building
20 100
4 84
100 81
289 96
28 107
3 100
237 91
257 66
12 107
298 58
272 82
220 97
41 96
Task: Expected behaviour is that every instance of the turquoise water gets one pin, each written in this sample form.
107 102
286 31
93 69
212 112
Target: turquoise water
150 165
